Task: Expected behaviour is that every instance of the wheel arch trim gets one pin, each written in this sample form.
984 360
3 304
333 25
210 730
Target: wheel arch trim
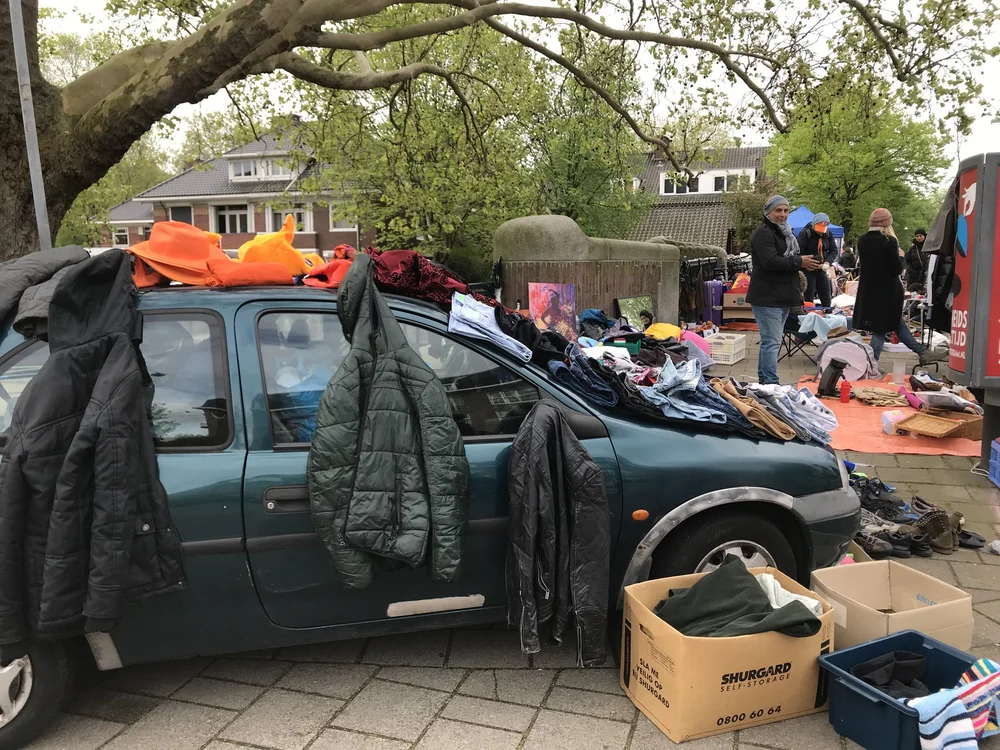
642 559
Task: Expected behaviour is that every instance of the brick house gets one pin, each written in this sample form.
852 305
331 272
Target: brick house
245 192
695 212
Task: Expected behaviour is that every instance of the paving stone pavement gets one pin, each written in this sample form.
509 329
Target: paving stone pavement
481 693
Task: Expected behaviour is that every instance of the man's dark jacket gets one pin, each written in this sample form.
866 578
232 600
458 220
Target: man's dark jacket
915 272
84 520
394 489
823 246
559 552
774 281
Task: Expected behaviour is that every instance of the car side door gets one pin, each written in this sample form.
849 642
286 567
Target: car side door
287 354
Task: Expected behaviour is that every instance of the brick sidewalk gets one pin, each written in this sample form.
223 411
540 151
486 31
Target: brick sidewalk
469 689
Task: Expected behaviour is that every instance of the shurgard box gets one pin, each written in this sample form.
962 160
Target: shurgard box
876 599
697 687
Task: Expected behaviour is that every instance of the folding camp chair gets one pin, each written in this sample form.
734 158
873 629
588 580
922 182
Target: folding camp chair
794 342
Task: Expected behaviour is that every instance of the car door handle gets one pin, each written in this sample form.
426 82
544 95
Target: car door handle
287 499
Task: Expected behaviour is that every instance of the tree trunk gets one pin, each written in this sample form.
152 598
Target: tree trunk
17 215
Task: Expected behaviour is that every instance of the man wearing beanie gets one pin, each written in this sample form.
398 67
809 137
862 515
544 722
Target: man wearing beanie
916 270
816 240
879 306
774 283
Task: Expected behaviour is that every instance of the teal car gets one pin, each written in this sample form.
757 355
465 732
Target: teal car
238 374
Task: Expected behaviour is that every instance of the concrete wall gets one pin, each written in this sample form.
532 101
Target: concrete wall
554 249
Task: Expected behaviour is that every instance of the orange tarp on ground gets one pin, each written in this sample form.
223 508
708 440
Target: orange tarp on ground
861 429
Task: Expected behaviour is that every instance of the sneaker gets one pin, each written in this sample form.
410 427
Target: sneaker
921 506
900 543
877 549
885 510
920 545
873 524
928 356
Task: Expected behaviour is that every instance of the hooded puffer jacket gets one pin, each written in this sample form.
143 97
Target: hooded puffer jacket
388 475
84 521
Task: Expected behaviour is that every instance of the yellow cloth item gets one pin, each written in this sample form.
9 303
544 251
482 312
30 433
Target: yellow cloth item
663 331
313 260
276 248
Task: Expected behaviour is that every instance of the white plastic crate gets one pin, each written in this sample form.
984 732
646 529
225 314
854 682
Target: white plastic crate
727 348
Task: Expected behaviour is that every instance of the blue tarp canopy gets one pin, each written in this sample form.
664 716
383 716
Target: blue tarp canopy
801 216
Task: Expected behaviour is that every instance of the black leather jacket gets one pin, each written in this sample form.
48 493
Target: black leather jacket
559 554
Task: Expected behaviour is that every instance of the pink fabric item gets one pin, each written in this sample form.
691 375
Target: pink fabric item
912 400
698 341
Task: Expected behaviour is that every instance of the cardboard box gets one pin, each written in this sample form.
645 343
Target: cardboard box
736 307
874 599
859 555
697 687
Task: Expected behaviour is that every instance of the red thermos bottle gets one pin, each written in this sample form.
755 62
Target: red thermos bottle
845 392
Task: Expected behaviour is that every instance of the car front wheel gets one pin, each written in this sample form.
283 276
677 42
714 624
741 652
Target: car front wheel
32 689
701 545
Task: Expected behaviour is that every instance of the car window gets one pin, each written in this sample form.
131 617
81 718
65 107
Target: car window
15 373
300 352
184 356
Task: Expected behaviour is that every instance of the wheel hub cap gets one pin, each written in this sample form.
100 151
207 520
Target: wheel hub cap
751 554
15 687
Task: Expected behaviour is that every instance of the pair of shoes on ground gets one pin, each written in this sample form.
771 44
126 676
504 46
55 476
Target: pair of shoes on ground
904 543
946 525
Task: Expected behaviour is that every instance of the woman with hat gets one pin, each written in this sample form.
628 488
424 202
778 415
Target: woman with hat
815 240
879 306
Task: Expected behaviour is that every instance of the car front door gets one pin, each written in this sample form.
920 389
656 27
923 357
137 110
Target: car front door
287 355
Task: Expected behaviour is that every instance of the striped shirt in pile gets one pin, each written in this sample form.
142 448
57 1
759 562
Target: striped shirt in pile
979 688
944 722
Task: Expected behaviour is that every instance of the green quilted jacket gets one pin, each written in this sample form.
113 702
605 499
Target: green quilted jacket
387 470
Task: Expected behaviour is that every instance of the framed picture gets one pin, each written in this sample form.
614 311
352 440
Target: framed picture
553 308
630 307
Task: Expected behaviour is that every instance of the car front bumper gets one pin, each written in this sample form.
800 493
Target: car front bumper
832 519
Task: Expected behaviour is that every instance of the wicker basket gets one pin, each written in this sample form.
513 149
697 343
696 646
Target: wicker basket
971 424
929 425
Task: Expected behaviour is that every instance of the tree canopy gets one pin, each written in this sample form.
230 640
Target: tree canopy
177 51
852 150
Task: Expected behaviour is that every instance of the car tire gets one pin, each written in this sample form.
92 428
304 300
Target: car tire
51 677
685 550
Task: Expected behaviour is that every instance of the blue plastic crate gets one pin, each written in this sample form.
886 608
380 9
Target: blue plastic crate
870 717
995 463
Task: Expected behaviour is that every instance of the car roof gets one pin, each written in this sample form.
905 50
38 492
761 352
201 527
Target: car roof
195 296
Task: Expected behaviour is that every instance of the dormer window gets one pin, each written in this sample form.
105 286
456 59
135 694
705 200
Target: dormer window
276 168
243 169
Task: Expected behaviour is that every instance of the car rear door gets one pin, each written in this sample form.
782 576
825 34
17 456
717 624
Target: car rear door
287 354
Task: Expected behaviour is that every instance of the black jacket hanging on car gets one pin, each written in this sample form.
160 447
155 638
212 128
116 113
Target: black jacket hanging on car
84 521
559 553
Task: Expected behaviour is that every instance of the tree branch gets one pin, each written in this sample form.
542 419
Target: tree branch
872 21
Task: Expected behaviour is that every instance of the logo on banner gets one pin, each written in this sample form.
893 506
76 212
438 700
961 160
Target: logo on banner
962 229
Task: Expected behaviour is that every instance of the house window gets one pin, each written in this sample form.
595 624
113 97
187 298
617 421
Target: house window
681 188
243 169
181 213
302 213
145 232
119 237
336 223
666 185
720 184
232 219
277 168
